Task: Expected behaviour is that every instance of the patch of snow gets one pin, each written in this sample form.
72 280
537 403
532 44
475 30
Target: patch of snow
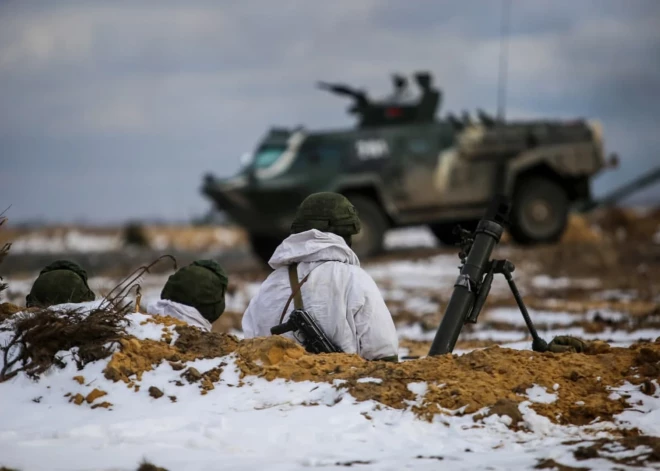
432 273
538 394
547 282
370 380
646 413
616 295
421 305
140 328
513 316
410 237
418 388
69 241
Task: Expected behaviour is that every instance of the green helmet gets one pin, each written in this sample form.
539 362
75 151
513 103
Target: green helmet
63 281
327 212
202 285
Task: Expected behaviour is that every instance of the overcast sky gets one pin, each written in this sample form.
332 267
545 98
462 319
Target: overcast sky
115 110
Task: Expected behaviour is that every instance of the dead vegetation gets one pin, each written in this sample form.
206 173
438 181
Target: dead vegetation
38 335
4 250
147 466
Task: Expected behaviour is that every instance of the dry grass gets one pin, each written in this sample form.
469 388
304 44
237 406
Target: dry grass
4 250
39 334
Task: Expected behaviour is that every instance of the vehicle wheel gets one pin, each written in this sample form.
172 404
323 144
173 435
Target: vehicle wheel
370 239
444 231
539 212
264 246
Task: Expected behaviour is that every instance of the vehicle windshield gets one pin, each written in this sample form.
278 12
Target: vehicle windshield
266 156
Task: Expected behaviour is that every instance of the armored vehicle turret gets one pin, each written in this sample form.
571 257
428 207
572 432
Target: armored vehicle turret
401 165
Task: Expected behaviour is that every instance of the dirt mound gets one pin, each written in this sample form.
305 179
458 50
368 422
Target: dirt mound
580 230
192 341
137 356
627 224
577 385
470 382
575 388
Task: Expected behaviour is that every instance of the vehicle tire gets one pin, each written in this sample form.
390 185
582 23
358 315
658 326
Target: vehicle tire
370 239
444 231
539 213
264 246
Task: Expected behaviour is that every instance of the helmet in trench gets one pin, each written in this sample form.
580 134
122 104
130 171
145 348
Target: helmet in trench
327 212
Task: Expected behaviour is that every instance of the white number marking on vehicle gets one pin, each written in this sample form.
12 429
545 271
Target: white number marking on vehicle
372 149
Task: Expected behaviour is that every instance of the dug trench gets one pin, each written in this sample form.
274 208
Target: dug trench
493 377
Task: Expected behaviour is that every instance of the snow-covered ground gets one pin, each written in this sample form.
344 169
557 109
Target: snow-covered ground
251 423
65 241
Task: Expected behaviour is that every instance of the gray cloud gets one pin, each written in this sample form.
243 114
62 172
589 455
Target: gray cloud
115 110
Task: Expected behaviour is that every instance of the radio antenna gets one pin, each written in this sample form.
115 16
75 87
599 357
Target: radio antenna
504 59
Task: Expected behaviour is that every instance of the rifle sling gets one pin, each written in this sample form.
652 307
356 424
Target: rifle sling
295 288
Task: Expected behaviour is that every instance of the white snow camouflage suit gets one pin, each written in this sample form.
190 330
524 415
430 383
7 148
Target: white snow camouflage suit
339 294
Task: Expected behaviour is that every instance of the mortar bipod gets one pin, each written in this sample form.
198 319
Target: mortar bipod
506 268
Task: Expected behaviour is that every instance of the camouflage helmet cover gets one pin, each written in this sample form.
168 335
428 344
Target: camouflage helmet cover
201 285
327 212
63 281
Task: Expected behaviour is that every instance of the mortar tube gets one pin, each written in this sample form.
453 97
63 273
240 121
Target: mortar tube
488 235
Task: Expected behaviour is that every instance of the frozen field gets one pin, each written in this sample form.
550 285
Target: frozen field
269 406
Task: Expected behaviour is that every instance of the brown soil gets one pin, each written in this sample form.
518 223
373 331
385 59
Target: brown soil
8 309
94 395
137 356
611 448
552 464
580 229
193 341
475 380
494 377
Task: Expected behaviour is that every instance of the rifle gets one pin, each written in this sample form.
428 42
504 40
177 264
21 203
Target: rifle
476 276
314 339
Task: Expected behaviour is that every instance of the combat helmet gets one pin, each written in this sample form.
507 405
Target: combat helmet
201 285
63 281
327 212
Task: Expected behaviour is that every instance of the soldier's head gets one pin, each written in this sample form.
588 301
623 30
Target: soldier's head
60 282
423 80
201 285
327 212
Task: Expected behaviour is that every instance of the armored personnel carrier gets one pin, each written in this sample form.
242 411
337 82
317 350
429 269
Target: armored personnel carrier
400 165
